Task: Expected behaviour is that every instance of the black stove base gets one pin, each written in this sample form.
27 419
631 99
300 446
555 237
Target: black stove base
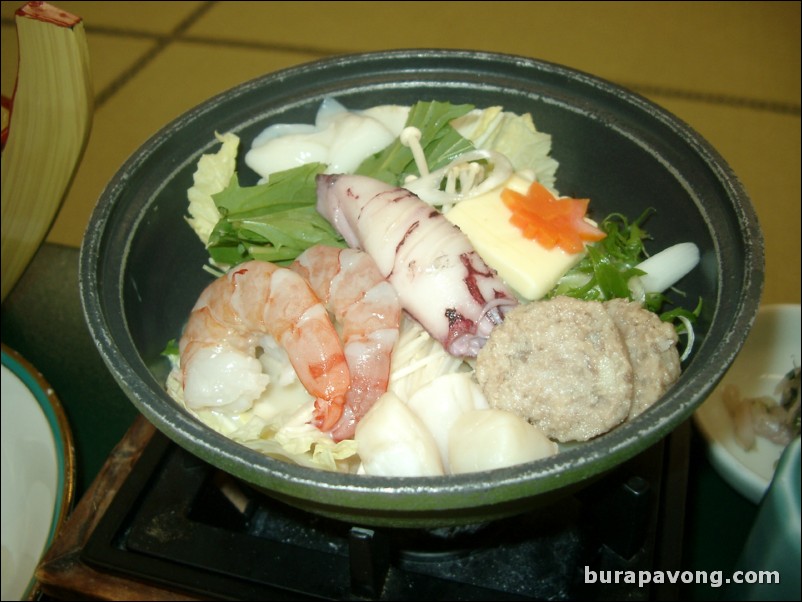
187 526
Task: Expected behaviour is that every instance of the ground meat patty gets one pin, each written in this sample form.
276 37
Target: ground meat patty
576 369
652 347
561 364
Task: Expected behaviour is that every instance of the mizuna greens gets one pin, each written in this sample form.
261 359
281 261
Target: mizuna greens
440 141
275 221
612 267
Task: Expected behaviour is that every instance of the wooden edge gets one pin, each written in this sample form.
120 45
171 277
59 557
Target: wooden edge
61 573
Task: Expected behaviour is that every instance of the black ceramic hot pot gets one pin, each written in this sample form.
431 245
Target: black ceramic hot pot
140 266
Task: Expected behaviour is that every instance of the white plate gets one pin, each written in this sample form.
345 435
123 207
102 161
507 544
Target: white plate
38 472
771 350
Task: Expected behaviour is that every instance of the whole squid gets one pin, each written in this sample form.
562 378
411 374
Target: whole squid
441 280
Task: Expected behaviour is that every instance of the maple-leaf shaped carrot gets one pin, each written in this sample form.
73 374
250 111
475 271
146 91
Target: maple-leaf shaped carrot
552 222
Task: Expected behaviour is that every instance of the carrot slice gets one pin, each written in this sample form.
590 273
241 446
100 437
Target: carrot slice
550 221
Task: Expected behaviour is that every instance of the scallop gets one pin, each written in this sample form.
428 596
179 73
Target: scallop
489 438
442 401
393 442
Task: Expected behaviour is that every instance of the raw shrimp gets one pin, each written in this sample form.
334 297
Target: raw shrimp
229 320
367 308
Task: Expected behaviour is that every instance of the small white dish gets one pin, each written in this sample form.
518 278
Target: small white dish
37 472
771 350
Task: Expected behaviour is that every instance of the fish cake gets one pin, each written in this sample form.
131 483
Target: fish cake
562 364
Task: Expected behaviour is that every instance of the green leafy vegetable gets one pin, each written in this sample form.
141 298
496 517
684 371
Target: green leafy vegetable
678 315
605 271
171 349
609 264
441 144
275 221
213 173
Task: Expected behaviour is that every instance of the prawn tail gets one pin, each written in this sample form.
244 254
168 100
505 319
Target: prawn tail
328 412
